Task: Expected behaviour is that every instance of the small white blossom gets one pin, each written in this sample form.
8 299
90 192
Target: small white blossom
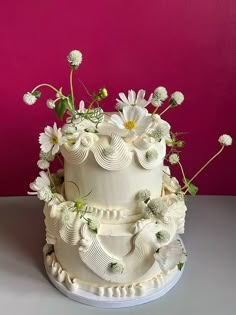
40 182
116 268
51 139
156 205
50 103
176 98
161 131
225 140
43 164
169 256
109 151
144 194
46 156
151 155
69 129
159 96
174 158
29 98
45 194
163 236
75 58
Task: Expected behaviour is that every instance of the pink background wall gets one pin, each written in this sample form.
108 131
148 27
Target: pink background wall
184 45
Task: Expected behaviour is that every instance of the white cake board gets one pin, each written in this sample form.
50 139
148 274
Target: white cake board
114 302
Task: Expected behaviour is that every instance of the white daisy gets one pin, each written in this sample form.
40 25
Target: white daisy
132 121
40 182
133 99
51 139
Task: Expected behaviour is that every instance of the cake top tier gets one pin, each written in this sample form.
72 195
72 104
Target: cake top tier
137 127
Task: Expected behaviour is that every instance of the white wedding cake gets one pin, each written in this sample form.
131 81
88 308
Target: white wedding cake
113 213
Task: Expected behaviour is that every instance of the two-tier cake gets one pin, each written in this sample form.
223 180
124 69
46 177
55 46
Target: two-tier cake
114 213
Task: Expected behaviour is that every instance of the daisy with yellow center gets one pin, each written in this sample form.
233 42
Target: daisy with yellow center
51 139
133 120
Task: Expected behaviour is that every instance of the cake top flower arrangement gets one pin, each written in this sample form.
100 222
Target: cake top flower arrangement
133 123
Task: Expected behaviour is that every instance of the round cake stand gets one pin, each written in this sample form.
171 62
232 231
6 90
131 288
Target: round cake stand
114 302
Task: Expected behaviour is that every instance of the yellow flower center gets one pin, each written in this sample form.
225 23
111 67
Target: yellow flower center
130 124
79 204
54 140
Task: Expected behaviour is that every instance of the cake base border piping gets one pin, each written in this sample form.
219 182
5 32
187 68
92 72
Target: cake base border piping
95 300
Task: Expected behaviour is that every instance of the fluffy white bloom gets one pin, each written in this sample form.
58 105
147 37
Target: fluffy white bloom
132 121
45 194
143 195
75 58
69 129
46 156
159 96
174 158
132 99
29 98
50 103
159 129
51 139
163 236
157 205
176 98
151 155
169 256
43 164
116 268
40 182
225 140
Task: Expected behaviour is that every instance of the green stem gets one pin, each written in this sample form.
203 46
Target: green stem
165 110
182 170
71 87
155 110
60 160
45 84
204 166
51 180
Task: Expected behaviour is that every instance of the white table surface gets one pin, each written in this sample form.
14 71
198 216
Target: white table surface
208 285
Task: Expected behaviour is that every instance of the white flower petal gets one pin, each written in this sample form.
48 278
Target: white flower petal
55 149
143 124
116 119
124 98
131 97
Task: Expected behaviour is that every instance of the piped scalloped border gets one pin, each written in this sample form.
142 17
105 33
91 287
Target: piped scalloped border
112 153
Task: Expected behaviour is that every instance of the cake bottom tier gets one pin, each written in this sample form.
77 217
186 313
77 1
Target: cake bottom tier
108 295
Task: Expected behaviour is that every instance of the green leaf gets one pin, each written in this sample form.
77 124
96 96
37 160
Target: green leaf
192 189
61 108
180 265
37 94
